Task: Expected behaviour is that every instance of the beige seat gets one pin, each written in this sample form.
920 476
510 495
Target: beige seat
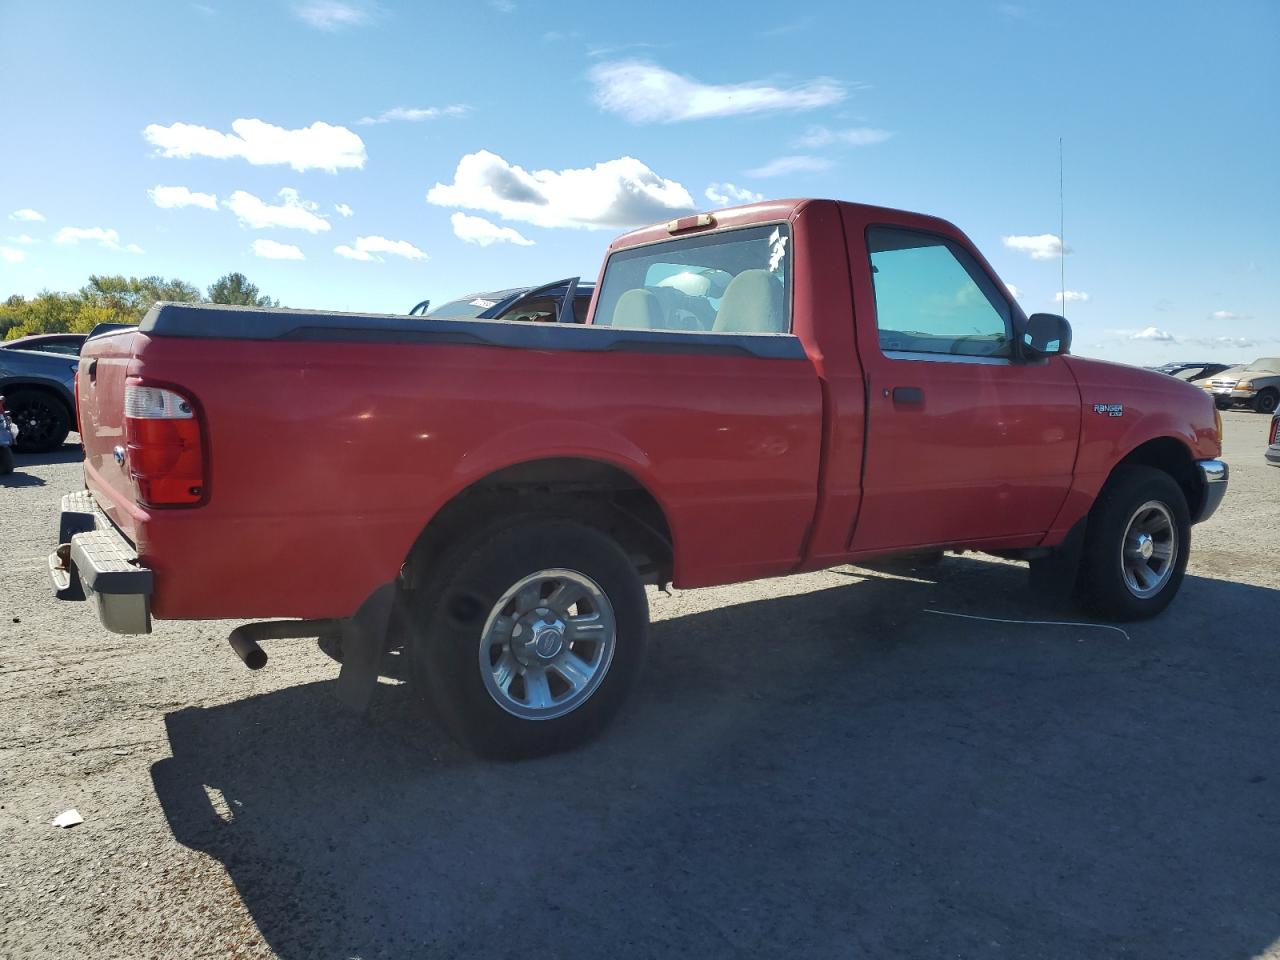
638 309
750 305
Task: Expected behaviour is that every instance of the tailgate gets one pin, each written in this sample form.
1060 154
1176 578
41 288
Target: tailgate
104 363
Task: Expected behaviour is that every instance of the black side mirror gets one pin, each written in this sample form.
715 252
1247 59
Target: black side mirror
1046 334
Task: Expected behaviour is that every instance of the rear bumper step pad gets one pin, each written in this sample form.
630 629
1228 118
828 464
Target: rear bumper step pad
95 561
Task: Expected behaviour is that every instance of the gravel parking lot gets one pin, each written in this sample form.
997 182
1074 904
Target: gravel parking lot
819 766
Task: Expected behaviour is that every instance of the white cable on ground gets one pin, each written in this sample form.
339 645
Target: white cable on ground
1037 623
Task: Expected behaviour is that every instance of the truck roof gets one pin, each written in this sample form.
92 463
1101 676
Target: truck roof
763 212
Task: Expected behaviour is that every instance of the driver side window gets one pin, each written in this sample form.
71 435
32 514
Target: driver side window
933 298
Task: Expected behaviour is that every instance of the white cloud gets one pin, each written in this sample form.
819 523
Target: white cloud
105 237
292 213
366 248
417 114
169 197
480 231
646 93
1013 291
10 255
343 210
26 213
726 194
334 15
320 146
1229 315
1070 296
1232 343
615 193
817 137
1154 333
23 238
794 164
271 250
1045 246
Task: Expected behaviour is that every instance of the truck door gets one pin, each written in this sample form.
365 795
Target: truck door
965 441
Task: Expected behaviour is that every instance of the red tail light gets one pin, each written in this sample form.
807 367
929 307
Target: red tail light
1275 430
165 446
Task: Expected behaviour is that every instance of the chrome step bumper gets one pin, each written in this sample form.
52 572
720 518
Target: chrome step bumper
95 561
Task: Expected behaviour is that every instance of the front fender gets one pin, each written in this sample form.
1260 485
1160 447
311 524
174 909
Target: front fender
11 383
1121 409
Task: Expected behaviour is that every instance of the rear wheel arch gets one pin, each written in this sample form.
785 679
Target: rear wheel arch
595 492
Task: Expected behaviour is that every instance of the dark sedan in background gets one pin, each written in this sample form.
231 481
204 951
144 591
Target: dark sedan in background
37 382
537 304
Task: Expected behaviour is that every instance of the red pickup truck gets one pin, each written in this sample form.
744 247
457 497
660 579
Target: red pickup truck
775 388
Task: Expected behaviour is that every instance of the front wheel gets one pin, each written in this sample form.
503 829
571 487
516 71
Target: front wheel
1136 545
42 421
1267 401
533 638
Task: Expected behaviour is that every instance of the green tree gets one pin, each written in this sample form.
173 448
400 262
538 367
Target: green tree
129 298
236 289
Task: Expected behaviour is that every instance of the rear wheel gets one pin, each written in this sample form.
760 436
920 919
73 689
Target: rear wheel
1267 401
1136 546
42 421
532 639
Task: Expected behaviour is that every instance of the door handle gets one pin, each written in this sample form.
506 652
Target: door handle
92 369
913 396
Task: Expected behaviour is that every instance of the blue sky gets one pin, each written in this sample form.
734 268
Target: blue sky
477 145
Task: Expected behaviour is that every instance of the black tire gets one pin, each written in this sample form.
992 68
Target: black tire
1101 586
1222 404
6 459
1267 401
449 615
42 421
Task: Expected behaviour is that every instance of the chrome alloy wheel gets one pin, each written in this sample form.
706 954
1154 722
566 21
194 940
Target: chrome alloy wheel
1149 550
547 644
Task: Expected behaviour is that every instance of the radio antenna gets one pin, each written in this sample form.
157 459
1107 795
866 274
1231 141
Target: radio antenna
1062 240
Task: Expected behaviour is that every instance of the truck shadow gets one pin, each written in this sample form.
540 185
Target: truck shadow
832 773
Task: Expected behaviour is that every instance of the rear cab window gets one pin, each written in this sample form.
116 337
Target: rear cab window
734 281
934 301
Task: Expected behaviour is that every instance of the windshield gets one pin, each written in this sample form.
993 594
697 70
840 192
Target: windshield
468 306
1266 363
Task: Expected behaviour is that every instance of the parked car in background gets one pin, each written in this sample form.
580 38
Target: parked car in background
1191 371
1273 437
1257 385
65 344
6 440
537 304
39 387
770 389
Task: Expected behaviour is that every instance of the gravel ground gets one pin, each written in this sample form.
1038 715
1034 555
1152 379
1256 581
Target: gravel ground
816 766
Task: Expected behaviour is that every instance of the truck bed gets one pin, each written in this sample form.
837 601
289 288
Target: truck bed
335 437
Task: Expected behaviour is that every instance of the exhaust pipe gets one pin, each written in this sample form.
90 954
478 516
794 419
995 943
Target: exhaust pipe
244 639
